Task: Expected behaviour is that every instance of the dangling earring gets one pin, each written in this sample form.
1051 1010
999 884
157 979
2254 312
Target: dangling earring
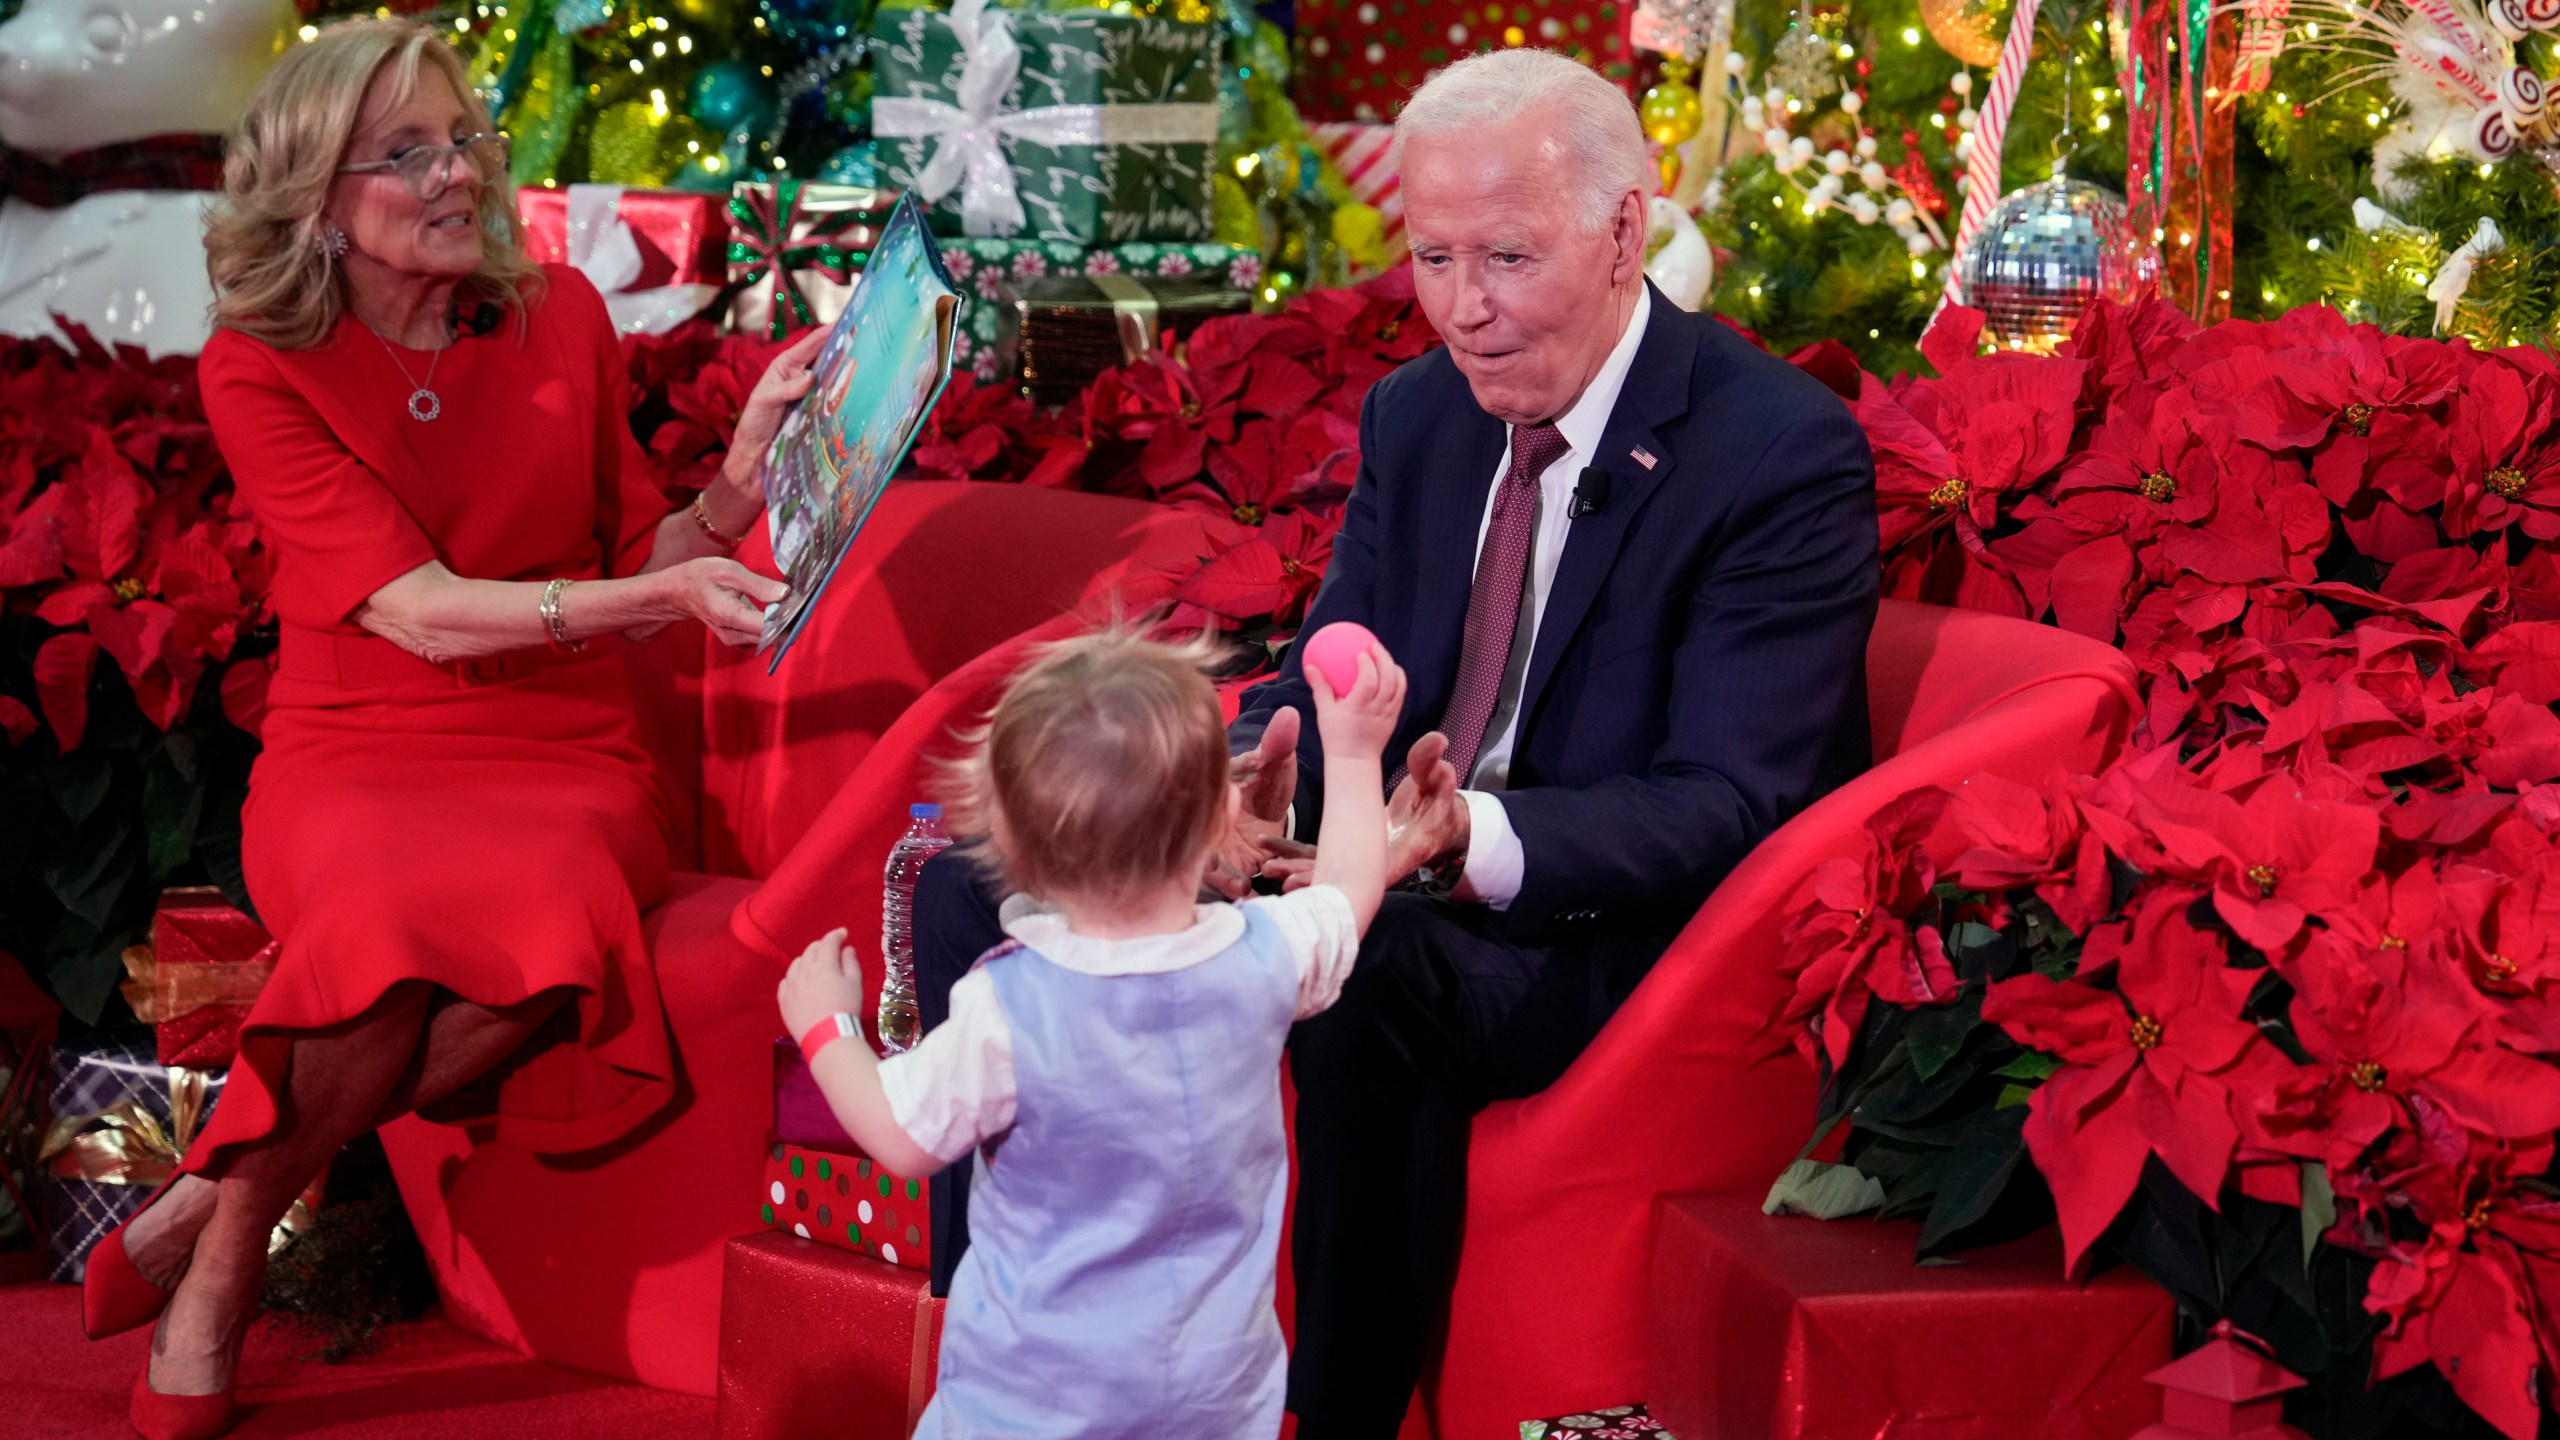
333 242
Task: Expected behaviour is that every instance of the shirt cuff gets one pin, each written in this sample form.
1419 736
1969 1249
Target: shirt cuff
1494 859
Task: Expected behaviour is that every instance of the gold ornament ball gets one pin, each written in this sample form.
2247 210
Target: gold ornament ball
1970 30
713 13
634 143
1671 113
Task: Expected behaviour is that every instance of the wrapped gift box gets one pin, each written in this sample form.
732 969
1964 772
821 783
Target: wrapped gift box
121 1122
1360 59
816 1344
1078 125
1364 151
194 983
1618 1422
1789 1328
794 249
660 256
989 267
845 1200
1061 331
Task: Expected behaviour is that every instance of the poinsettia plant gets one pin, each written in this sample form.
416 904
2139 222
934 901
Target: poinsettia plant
2266 1007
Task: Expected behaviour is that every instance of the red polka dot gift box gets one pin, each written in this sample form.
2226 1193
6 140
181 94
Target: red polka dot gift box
848 1202
1360 59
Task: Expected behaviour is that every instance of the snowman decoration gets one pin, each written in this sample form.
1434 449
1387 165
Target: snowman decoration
112 112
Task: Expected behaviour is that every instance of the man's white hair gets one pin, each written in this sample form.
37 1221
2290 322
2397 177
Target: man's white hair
1604 147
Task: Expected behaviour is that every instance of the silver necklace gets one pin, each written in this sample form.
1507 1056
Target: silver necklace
424 404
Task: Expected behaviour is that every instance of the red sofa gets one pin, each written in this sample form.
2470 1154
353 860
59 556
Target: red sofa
610 1262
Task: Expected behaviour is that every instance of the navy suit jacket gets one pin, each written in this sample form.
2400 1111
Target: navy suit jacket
1699 673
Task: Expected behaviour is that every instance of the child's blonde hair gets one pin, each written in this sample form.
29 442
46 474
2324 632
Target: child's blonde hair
1102 772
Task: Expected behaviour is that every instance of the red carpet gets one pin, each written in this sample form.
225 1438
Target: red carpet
426 1381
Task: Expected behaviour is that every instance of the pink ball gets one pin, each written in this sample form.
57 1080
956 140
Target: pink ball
1336 650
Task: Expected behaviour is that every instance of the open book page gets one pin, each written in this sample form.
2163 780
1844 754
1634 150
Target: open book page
877 377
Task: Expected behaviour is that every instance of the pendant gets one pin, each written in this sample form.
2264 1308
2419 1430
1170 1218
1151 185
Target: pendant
423 404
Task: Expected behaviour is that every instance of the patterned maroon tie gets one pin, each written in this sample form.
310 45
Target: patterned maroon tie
1493 604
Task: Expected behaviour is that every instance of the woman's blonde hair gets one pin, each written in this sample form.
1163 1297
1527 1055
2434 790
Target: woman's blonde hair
1102 772
271 278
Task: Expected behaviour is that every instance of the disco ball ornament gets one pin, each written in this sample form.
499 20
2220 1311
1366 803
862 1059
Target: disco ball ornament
2047 252
1970 30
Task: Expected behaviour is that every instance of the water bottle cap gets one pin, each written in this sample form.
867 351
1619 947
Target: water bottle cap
924 812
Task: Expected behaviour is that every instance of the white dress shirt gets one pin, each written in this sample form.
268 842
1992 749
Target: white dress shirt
1495 862
955 1089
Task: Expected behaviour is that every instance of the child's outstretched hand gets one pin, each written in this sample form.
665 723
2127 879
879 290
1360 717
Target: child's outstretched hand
825 979
1362 721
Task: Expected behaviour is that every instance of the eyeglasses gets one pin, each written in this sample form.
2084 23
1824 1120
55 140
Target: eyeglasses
428 169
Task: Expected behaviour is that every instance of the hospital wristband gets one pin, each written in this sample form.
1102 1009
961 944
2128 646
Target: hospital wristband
835 1027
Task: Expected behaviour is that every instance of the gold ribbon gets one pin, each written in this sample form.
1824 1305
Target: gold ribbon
160 992
126 1144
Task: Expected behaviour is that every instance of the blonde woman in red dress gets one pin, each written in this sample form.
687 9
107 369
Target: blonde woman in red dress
453 828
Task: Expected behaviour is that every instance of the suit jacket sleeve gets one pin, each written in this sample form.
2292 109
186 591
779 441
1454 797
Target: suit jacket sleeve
1768 695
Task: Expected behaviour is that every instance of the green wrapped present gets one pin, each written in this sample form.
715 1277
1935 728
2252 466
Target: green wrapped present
1084 126
985 267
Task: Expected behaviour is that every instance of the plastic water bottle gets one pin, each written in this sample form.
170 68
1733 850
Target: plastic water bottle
923 840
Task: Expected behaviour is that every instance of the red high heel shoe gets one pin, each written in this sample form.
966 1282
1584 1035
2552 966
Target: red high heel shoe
182 1417
114 1296
189 1417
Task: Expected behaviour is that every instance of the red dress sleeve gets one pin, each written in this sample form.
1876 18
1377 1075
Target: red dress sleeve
337 533
629 500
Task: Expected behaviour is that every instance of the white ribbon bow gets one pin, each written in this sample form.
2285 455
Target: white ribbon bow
2453 281
970 136
602 247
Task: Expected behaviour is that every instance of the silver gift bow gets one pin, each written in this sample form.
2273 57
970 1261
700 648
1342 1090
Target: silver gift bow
970 136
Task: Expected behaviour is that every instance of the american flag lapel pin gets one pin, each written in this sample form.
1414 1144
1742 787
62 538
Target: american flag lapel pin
1642 456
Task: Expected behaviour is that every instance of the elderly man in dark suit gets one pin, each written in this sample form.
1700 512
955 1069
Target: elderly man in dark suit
1628 562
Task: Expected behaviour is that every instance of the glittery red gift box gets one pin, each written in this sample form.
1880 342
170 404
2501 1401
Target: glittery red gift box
683 235
203 948
816 1344
846 1201
1791 1328
1359 59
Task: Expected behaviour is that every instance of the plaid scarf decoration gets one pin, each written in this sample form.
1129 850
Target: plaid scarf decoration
183 160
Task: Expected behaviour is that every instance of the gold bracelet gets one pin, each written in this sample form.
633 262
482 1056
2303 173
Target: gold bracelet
551 618
702 519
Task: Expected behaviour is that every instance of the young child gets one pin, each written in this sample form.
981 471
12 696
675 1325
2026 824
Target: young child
1116 1064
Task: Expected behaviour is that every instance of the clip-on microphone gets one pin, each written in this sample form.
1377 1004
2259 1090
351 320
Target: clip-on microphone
1590 492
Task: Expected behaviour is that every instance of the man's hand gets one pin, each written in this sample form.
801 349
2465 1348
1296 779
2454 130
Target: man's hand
1427 820
1264 781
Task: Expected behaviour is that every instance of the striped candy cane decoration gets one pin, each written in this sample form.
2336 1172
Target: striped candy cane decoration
1991 124
1360 150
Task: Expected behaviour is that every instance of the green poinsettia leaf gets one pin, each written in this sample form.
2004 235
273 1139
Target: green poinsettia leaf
1823 1191
1977 1173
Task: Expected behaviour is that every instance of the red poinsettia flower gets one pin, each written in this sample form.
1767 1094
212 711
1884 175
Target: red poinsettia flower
2383 1026
2022 837
1853 940
707 402
2504 462
1271 572
2468 1297
2270 861
1275 466
2145 1068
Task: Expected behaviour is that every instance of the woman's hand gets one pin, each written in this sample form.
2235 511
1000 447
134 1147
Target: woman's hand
722 594
780 387
825 979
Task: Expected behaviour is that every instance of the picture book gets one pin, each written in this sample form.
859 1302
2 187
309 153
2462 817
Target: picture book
877 377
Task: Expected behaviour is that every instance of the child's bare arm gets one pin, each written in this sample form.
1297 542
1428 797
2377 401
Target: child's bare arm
1351 837
826 979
